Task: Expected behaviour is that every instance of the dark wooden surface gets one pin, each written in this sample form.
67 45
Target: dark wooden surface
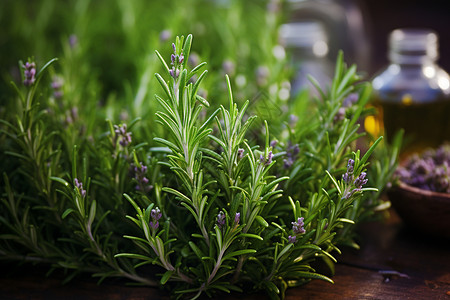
393 263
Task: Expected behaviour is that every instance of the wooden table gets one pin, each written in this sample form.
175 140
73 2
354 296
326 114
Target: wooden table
393 263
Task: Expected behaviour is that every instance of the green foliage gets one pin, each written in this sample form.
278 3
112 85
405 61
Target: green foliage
192 189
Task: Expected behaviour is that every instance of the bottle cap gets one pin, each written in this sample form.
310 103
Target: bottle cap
307 34
413 45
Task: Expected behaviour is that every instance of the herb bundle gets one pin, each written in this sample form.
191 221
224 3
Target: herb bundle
213 202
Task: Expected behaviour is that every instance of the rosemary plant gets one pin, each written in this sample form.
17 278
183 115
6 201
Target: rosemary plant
211 204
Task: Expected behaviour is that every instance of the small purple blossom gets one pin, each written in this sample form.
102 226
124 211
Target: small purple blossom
266 161
142 181
360 181
176 60
429 171
292 239
221 219
350 165
237 218
174 72
273 143
156 215
79 186
297 227
292 152
29 73
240 153
347 177
121 132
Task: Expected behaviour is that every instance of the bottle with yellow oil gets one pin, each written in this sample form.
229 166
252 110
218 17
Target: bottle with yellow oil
413 92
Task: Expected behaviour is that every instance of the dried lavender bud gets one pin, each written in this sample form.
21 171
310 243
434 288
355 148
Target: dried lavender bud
429 171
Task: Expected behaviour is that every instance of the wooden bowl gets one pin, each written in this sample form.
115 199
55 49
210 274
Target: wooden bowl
425 211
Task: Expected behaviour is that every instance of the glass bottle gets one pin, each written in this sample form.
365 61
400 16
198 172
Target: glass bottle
413 92
307 44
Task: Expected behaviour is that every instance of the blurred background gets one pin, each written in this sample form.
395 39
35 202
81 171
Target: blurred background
110 43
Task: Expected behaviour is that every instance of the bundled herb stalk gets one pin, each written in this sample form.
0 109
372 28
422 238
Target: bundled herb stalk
203 208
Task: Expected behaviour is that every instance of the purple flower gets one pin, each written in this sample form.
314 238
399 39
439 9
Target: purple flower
221 219
292 239
154 224
297 227
292 152
266 161
350 165
174 72
29 73
121 132
139 174
79 186
240 153
156 215
237 218
360 181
